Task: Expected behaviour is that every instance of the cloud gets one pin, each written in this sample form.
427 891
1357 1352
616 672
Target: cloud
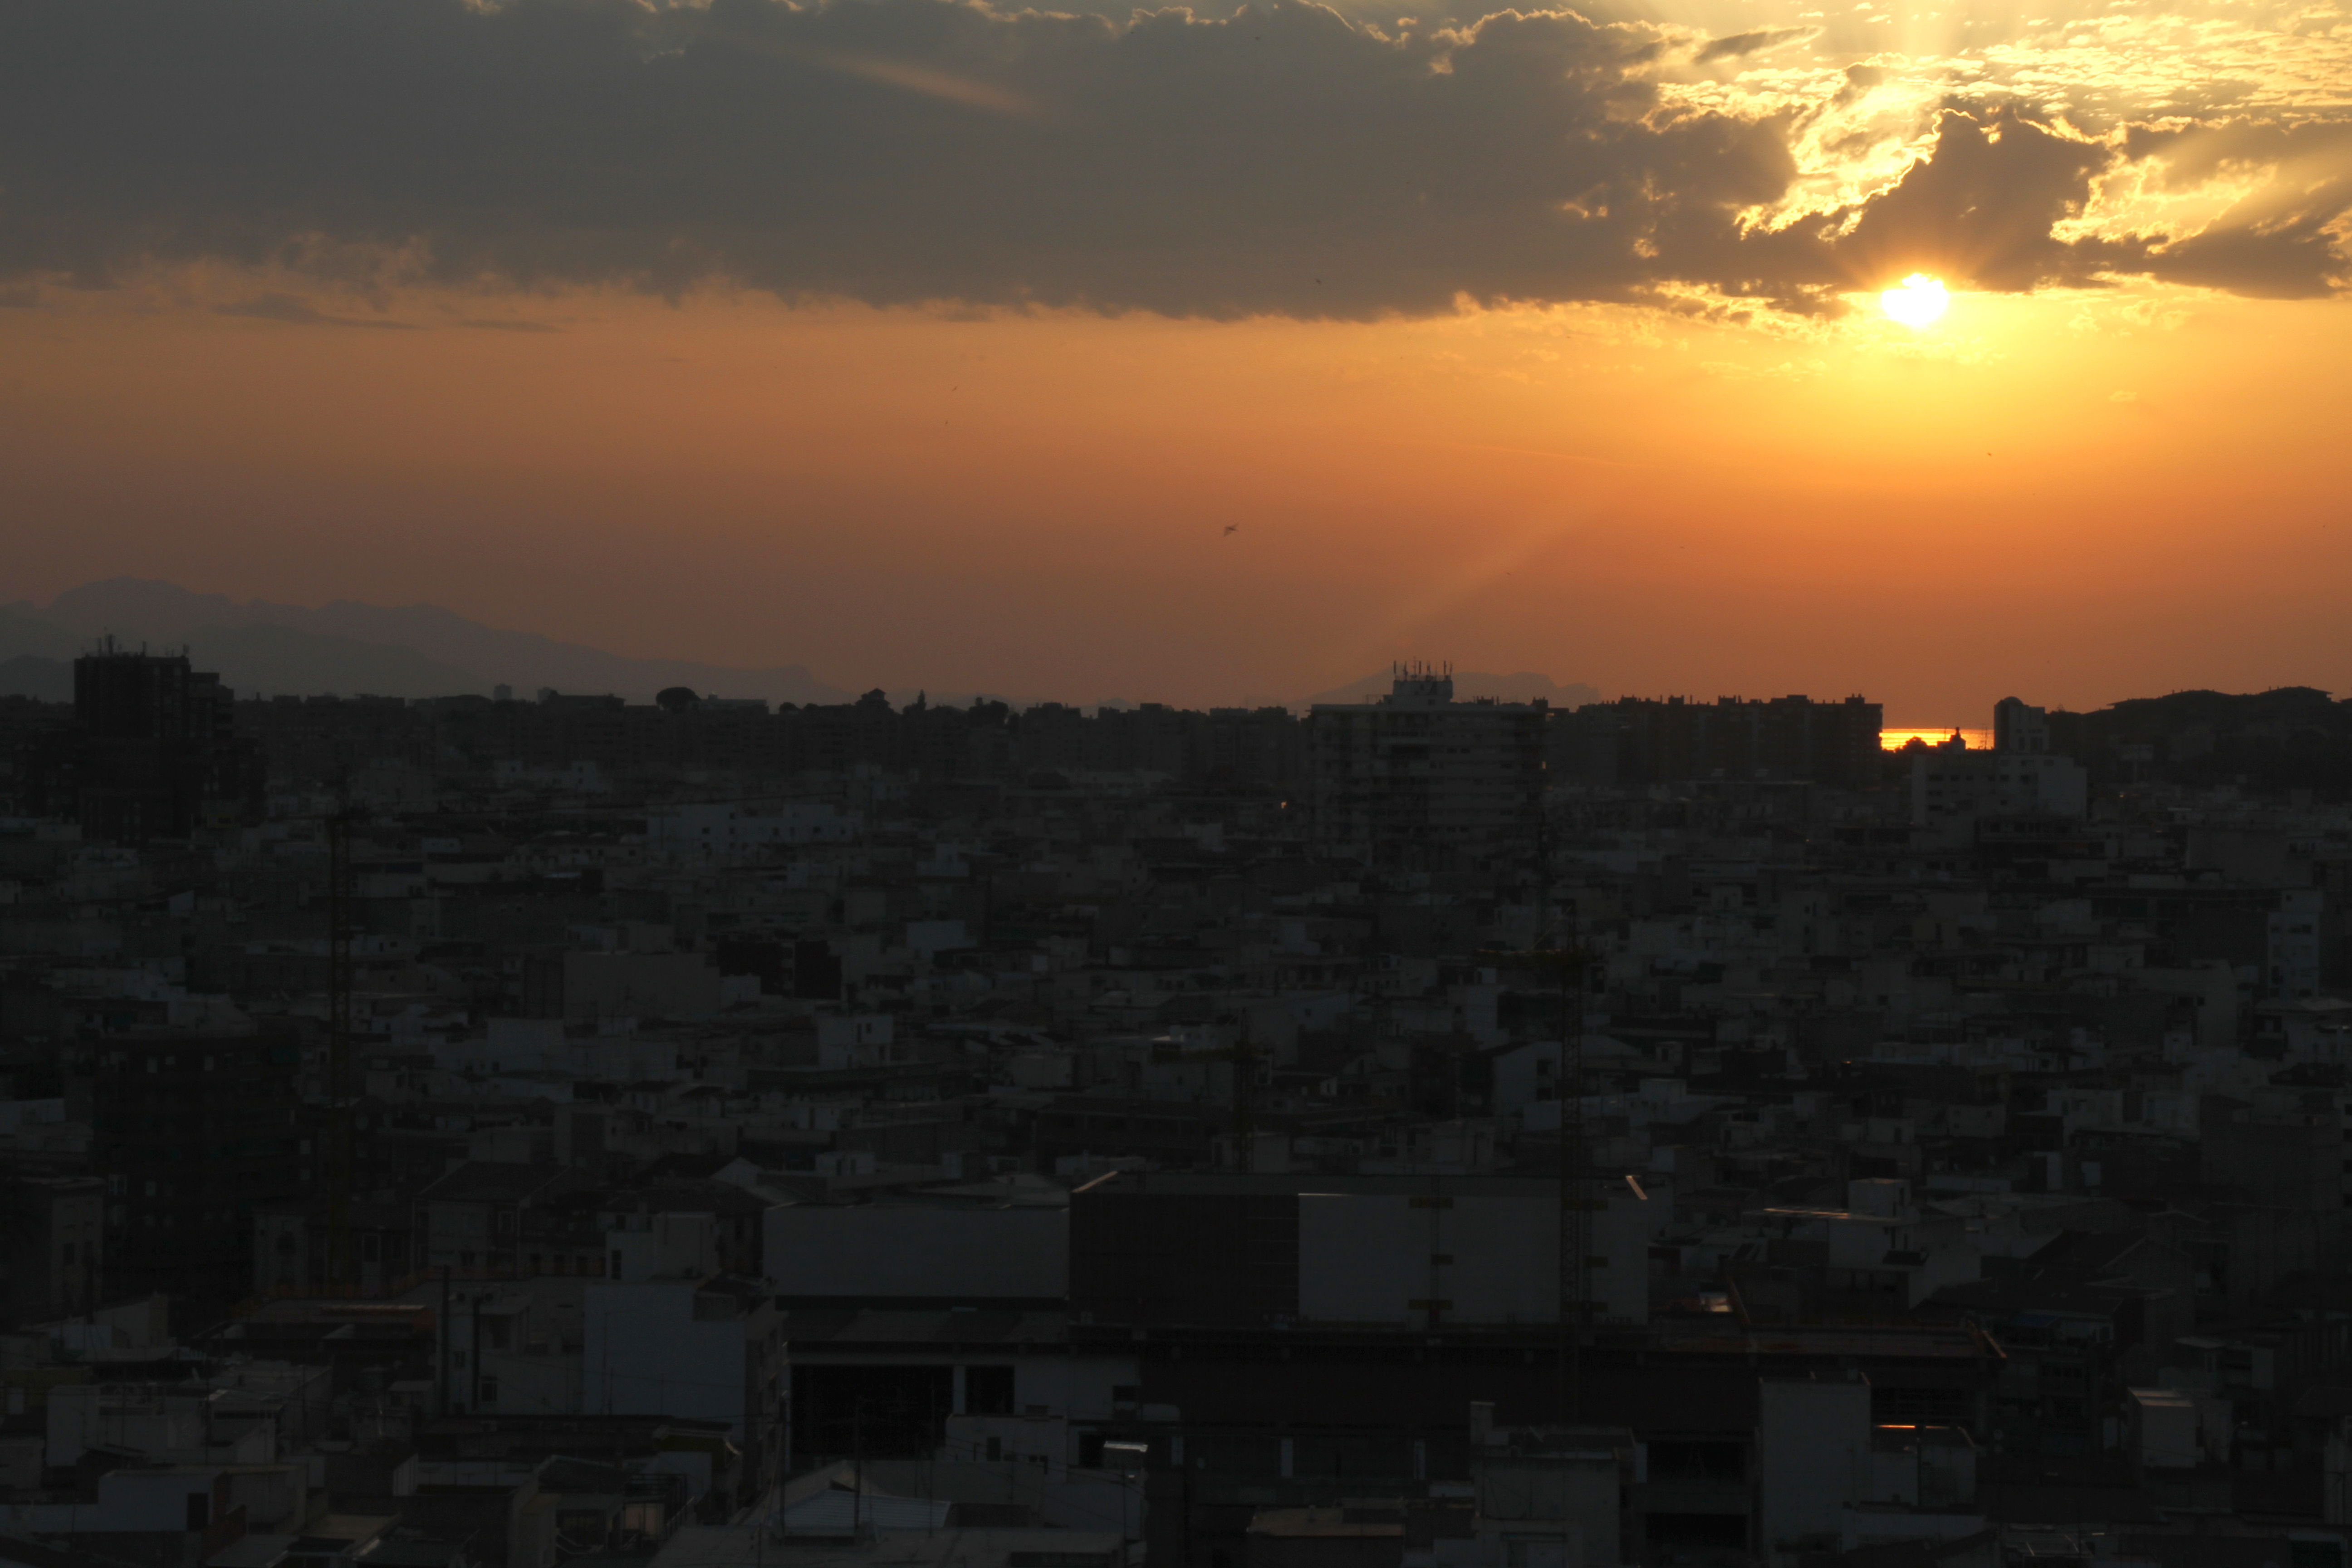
1741 45
970 92
2288 257
1981 208
2278 239
1280 159
298 313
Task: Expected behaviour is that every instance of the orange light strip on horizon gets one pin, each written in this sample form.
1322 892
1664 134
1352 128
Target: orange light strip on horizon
1896 740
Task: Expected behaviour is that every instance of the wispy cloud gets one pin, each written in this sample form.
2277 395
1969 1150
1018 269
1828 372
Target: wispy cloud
1738 46
296 311
947 87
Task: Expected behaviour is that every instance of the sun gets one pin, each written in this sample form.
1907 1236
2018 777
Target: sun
1917 302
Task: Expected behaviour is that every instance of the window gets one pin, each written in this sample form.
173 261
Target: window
988 1390
1915 1406
1698 1461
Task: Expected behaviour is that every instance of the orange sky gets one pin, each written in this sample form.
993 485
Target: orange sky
2074 496
940 342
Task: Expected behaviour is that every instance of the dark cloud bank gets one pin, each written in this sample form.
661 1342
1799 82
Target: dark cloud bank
1280 159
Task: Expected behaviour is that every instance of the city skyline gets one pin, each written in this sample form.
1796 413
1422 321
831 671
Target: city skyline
1277 783
937 338
355 648
853 1135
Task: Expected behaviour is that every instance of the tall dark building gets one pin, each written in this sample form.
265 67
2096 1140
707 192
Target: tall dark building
1638 740
191 1133
52 1245
1417 773
152 752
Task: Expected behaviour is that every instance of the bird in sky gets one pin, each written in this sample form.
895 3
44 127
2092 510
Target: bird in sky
1232 529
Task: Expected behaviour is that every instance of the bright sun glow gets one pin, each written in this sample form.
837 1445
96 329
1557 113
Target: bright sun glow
1975 740
1918 300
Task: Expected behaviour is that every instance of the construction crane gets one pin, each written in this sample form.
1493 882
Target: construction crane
1565 965
1575 1200
1243 1055
343 1262
1559 954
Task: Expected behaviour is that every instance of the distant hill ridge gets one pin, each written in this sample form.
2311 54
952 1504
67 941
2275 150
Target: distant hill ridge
351 649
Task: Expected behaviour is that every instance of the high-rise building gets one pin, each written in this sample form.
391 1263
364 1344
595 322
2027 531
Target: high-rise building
152 752
53 1247
1638 740
2020 729
1417 773
1953 787
190 1131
